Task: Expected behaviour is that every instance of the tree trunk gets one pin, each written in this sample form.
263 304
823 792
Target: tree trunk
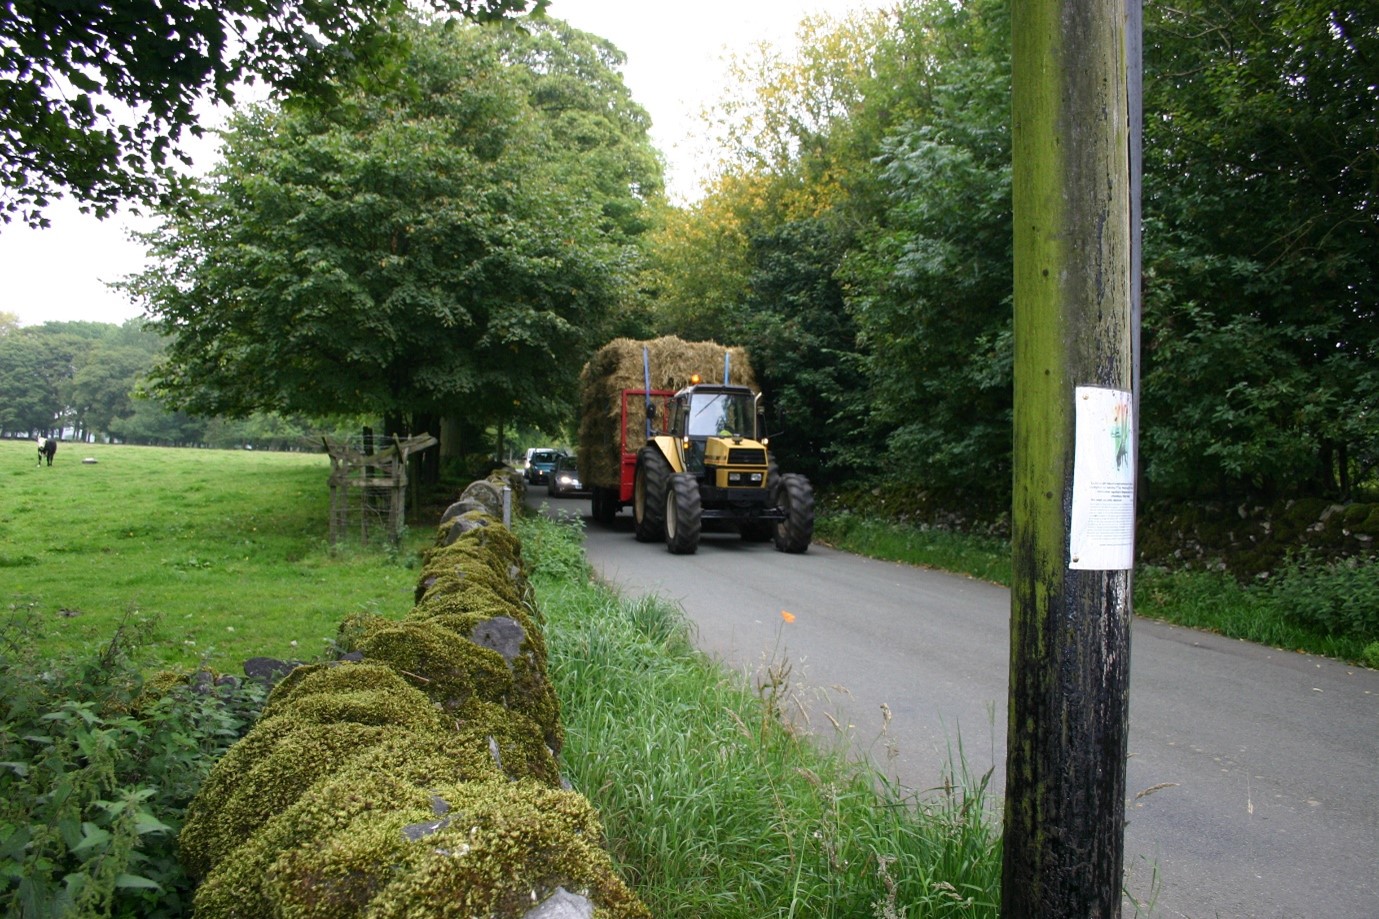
451 447
428 461
1075 68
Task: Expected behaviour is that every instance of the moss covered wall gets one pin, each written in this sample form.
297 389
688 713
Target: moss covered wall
416 776
1248 538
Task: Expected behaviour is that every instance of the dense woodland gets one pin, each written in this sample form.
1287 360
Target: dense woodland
447 237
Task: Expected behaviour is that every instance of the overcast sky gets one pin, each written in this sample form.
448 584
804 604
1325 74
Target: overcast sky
675 58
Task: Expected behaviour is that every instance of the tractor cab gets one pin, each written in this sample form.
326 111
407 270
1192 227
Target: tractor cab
715 429
711 419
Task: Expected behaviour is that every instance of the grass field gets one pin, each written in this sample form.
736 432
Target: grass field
215 555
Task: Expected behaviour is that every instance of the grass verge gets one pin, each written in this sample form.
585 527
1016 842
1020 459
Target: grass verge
983 557
714 805
1328 610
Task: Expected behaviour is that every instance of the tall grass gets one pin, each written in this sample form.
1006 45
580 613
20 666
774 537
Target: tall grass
714 805
1279 613
223 553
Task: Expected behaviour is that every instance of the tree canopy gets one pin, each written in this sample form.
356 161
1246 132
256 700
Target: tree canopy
98 93
1261 245
857 240
451 245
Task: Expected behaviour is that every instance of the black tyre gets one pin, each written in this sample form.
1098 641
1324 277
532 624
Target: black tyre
684 514
649 495
605 505
796 498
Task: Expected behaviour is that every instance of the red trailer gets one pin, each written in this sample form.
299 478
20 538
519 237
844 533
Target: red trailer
638 425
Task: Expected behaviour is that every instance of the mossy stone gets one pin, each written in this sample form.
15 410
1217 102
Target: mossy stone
449 668
365 693
513 740
1363 519
494 846
262 775
388 772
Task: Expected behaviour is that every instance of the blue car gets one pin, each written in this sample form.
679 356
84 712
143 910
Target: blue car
541 465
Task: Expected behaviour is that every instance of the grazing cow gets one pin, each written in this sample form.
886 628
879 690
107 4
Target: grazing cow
47 446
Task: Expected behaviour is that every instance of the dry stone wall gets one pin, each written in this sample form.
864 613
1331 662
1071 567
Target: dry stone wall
418 775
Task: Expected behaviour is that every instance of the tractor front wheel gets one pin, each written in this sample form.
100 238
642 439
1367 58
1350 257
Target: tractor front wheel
796 498
649 495
684 514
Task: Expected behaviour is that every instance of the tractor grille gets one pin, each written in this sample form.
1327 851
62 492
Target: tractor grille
746 456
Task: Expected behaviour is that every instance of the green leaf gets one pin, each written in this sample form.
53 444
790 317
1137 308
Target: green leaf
136 882
145 823
91 837
13 846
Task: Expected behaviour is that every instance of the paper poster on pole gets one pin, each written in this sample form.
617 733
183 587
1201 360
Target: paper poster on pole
1102 530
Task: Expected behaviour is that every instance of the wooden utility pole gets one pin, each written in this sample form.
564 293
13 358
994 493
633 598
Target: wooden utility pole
1076 98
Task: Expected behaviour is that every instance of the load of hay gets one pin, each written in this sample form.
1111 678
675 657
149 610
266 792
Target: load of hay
618 366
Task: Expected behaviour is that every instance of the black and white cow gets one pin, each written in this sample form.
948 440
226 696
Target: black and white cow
47 446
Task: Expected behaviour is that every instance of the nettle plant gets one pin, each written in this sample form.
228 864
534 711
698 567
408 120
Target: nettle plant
97 765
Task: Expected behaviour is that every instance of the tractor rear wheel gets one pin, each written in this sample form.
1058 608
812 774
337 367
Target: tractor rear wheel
684 514
796 498
649 495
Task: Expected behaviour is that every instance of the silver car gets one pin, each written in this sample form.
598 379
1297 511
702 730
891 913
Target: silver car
564 478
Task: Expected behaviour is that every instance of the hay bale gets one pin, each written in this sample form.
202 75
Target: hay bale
618 366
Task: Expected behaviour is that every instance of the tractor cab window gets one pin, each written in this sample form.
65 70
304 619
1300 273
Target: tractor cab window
721 415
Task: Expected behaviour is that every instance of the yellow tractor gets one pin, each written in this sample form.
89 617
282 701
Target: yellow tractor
712 464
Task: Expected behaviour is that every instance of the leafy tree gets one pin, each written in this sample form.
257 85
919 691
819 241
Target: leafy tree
700 263
447 246
802 341
97 94
754 262
37 365
28 400
102 386
151 423
1262 246
930 284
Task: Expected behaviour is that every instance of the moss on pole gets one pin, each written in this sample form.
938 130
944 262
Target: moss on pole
1075 105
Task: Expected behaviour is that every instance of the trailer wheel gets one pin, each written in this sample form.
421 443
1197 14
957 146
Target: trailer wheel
796 498
684 514
649 495
605 505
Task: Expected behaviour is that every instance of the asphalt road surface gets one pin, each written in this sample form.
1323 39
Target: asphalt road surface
1253 778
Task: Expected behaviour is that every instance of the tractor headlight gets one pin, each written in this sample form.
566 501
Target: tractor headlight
745 479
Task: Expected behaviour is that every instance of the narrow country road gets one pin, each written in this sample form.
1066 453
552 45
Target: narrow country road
1253 779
